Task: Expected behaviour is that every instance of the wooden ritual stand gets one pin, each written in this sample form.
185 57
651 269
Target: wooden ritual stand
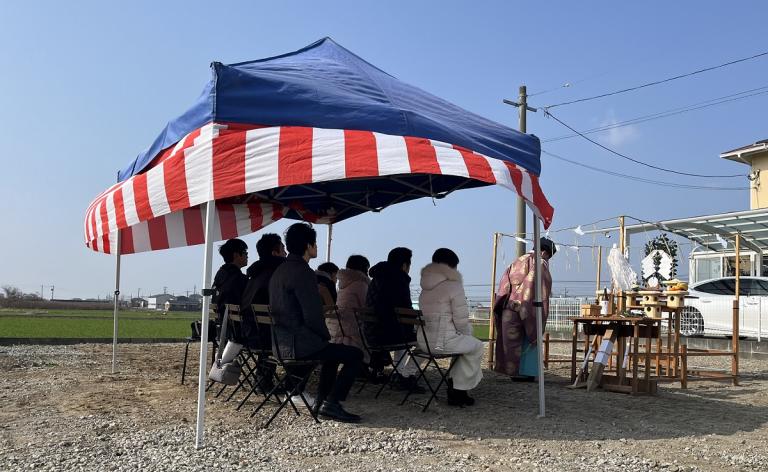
625 375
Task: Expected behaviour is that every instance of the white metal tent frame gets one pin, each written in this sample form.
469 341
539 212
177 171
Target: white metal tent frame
207 293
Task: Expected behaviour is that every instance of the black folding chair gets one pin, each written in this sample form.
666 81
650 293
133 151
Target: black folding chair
367 317
295 372
415 318
248 357
196 327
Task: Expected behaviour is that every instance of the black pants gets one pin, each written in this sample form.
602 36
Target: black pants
332 387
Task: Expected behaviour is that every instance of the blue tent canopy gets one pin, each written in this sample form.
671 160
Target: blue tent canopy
326 86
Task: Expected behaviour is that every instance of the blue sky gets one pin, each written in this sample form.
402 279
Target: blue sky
87 85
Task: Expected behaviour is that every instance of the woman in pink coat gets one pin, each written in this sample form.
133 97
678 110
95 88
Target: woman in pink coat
353 287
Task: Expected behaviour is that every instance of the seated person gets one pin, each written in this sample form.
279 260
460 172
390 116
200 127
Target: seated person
446 324
326 282
228 286
390 288
299 324
353 287
271 254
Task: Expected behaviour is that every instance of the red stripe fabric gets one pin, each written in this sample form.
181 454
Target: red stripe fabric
477 166
294 156
294 166
360 156
227 220
175 179
256 216
517 177
120 209
540 201
94 239
228 164
193 226
158 233
126 241
277 212
104 228
422 156
141 197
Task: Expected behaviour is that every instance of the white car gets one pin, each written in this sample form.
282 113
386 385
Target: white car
711 312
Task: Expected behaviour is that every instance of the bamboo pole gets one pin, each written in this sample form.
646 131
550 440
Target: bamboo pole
599 268
491 320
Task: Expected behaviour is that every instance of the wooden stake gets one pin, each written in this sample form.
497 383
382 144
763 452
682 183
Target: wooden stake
599 268
491 318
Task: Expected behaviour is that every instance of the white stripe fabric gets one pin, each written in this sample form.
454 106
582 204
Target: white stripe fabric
261 150
261 158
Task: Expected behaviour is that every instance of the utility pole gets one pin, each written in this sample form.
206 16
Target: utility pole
42 296
522 106
52 292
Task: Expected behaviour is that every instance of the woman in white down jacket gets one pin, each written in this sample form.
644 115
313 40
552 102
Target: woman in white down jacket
446 317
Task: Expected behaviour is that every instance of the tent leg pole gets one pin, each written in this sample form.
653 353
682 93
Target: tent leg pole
539 306
330 240
202 374
117 304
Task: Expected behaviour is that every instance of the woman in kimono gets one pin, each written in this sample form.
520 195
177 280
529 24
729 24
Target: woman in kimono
515 314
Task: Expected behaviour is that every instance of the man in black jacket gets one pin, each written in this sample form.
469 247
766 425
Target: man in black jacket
390 288
228 285
271 254
299 324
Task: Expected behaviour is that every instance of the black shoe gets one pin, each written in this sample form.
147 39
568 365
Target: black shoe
335 411
454 397
459 398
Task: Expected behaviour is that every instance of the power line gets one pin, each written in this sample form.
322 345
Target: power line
640 179
547 113
649 84
666 114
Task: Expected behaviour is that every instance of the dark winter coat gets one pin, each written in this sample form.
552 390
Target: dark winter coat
390 288
297 309
257 292
228 285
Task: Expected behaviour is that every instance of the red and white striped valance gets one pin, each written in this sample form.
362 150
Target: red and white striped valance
161 208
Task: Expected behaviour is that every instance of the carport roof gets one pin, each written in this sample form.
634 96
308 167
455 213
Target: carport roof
707 230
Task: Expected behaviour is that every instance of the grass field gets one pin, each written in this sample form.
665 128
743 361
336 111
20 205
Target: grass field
93 324
98 324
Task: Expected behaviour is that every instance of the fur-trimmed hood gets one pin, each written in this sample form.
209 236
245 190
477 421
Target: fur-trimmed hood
434 274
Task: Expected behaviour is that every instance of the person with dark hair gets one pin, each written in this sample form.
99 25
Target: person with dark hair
299 324
271 254
326 282
229 284
446 324
353 287
515 314
390 288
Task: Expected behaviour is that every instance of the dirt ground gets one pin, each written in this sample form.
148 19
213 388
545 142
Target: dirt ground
62 409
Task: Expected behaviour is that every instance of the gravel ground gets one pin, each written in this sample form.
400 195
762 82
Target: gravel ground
63 410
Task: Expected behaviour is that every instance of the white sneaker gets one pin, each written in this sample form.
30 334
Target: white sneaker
296 399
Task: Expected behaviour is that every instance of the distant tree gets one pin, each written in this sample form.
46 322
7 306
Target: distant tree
12 293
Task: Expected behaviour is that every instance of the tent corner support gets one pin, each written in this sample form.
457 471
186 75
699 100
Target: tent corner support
202 374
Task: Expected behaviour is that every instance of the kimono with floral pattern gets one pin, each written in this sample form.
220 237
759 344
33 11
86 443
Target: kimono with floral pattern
518 319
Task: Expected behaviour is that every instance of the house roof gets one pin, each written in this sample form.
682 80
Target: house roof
744 154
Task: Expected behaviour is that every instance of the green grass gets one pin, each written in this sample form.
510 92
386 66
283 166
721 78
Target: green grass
94 324
98 324
480 331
